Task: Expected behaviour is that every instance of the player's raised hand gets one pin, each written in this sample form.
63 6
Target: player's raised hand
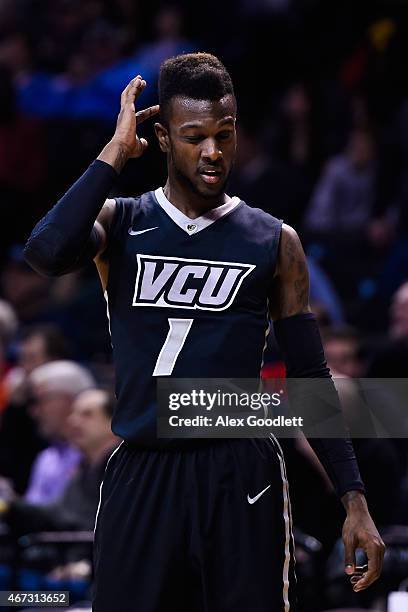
128 119
125 142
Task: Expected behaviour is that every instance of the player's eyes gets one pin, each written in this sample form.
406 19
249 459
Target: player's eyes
224 135
221 136
193 138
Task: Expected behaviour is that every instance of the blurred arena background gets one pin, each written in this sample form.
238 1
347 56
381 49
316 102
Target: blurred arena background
322 89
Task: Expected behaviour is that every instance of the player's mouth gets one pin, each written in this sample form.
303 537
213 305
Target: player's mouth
211 175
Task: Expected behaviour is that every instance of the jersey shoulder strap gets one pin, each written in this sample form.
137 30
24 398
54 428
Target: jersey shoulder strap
265 229
124 211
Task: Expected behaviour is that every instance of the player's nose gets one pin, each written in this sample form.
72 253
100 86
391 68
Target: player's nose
211 151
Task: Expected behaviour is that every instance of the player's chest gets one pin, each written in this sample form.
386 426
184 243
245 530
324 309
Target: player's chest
206 272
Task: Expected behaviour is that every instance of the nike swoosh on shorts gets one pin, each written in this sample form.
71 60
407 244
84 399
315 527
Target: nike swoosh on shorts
252 500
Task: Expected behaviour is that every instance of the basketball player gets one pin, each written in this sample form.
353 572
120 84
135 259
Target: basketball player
198 525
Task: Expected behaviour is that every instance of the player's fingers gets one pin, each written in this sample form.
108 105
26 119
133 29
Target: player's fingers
358 573
146 113
142 146
130 85
375 556
133 90
349 556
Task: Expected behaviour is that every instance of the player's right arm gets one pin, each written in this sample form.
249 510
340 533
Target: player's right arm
76 229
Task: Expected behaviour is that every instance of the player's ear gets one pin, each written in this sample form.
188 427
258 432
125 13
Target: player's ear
162 136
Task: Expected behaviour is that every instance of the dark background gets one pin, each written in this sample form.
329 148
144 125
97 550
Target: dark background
322 89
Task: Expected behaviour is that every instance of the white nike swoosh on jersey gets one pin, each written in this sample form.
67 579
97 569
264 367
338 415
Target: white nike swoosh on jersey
252 500
149 229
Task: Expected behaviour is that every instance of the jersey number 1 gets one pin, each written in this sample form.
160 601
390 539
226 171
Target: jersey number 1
172 346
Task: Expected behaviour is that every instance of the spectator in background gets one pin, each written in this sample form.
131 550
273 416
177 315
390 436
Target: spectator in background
8 14
297 147
63 25
8 328
167 40
264 180
390 226
55 386
343 352
90 75
252 171
73 303
20 441
391 360
76 505
337 222
378 459
22 162
343 199
295 136
28 293
15 56
37 345
323 295
40 344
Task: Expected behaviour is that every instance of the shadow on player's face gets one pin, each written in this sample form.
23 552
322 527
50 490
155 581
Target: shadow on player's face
200 143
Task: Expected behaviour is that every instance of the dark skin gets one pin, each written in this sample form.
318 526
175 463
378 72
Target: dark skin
200 137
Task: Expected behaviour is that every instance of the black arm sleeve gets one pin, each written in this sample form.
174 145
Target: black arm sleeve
65 240
299 340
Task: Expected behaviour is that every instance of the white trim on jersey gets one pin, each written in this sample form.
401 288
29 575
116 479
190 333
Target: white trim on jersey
101 485
105 295
192 226
287 517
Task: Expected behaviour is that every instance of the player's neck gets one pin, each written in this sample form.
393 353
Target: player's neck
189 203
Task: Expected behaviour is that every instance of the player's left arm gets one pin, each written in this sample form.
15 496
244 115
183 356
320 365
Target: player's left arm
291 282
298 336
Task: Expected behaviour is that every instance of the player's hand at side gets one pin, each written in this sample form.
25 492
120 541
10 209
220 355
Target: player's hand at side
128 120
359 531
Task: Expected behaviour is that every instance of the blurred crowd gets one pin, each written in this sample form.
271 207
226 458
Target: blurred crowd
322 94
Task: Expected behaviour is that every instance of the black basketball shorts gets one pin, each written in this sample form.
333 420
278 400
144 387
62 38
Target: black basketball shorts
203 530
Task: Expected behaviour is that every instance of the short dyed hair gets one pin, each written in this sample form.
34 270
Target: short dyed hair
200 76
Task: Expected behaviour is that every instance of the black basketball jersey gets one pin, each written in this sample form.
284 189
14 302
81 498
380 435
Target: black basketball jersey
186 298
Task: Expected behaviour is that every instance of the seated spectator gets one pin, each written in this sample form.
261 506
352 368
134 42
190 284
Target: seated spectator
46 95
391 359
255 171
75 508
20 441
55 386
8 327
378 459
343 198
37 345
343 352
337 221
25 290
323 294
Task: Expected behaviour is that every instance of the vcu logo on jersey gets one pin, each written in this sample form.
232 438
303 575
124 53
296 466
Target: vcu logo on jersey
187 283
